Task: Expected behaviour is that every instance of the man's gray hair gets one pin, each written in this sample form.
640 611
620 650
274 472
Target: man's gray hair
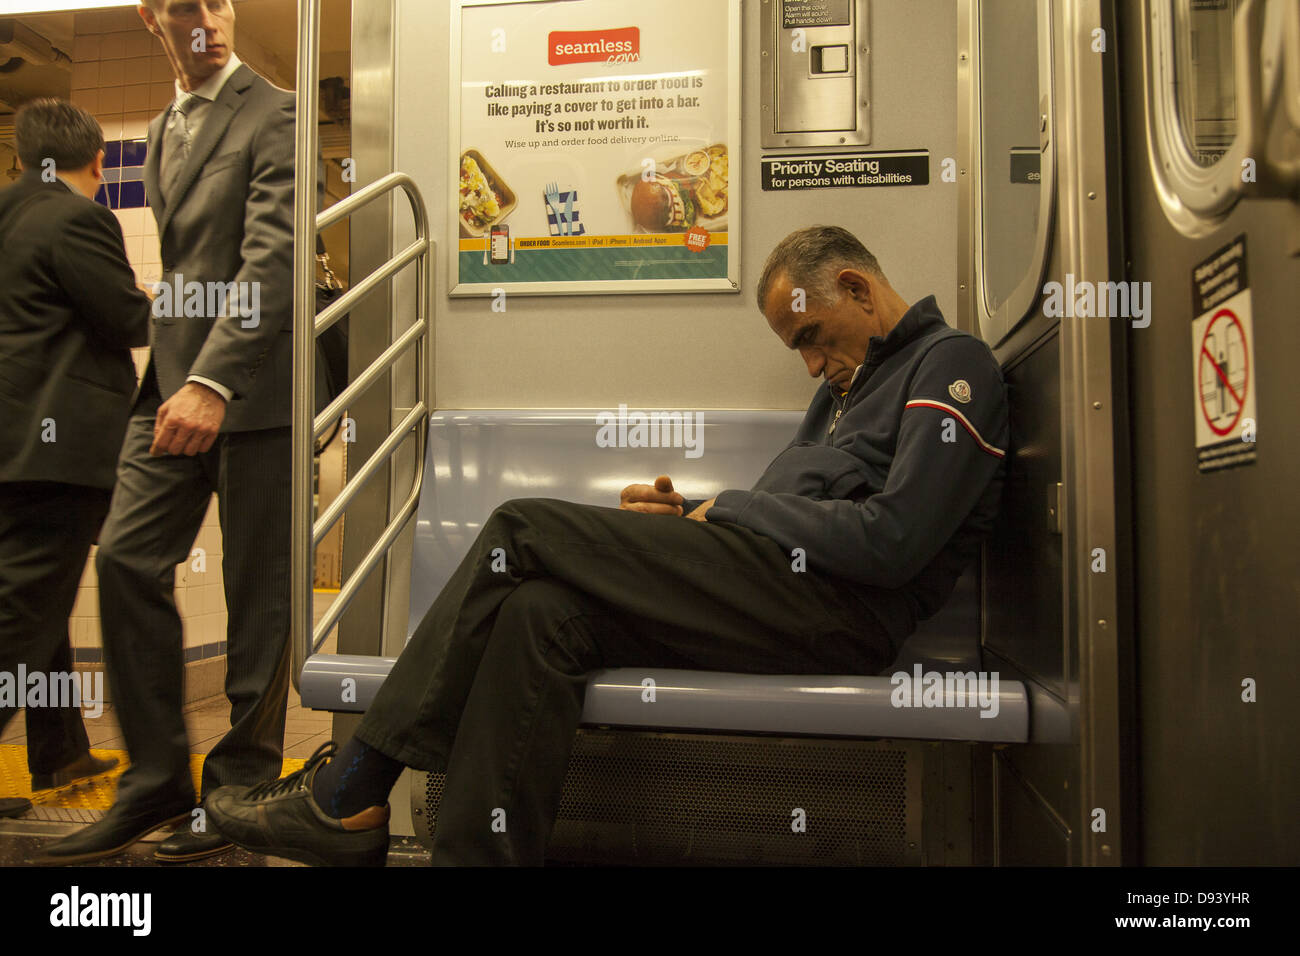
810 258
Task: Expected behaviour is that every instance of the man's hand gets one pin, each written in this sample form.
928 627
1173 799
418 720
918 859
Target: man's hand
656 499
699 513
188 422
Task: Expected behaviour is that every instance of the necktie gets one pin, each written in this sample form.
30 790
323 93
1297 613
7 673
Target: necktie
176 143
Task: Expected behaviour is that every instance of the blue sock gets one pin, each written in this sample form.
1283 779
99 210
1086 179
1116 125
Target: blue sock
358 777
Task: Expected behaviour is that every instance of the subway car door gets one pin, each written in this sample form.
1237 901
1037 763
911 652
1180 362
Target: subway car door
1211 151
1038 222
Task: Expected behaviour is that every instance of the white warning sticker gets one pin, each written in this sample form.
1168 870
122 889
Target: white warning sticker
1223 360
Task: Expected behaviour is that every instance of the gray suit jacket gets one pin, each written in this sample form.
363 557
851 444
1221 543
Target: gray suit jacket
230 219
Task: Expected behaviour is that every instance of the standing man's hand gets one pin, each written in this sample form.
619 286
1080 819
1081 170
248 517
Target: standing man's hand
699 513
656 499
188 422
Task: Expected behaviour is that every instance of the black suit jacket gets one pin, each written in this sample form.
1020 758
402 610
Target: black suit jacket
70 312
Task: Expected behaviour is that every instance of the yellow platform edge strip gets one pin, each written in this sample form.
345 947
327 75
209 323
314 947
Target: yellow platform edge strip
96 793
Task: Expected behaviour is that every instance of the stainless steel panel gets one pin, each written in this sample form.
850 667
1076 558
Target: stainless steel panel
1028 833
816 73
1022 558
368 329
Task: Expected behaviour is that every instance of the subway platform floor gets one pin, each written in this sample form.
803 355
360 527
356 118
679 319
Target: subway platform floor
58 812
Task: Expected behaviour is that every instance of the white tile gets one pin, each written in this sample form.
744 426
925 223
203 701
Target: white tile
85 48
111 124
110 73
137 70
110 100
136 98
87 602
112 46
88 578
136 125
88 100
132 221
139 42
161 94
160 68
134 245
85 75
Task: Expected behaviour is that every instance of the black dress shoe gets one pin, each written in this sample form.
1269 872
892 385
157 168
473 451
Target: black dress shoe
87 765
185 845
281 818
121 827
14 806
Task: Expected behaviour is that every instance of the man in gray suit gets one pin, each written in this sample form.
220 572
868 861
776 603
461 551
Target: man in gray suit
213 415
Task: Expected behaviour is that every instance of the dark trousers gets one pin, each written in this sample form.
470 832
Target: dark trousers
490 687
157 510
46 529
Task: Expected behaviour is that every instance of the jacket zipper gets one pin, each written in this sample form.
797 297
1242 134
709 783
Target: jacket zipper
840 406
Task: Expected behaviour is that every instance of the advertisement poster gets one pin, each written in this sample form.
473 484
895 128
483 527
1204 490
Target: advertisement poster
598 147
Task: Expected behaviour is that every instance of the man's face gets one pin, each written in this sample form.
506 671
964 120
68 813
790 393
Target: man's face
831 337
176 23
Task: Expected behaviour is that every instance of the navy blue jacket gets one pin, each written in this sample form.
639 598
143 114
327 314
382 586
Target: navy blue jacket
892 484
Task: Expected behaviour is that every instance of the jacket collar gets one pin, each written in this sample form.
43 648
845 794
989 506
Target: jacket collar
224 108
921 319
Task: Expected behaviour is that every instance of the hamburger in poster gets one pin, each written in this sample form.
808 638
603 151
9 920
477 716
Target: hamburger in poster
685 190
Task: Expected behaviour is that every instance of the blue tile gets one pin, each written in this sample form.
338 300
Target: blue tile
130 174
133 151
132 196
113 200
221 648
113 154
87 655
192 654
101 196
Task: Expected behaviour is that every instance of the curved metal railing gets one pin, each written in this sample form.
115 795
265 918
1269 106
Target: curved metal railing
307 326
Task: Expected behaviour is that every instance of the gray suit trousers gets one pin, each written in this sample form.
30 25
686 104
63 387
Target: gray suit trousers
157 509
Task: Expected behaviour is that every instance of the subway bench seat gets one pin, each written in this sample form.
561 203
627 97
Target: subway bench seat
478 459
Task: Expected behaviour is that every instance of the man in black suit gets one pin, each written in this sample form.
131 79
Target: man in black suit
213 415
70 312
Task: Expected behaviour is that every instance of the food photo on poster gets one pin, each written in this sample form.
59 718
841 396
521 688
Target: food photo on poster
595 148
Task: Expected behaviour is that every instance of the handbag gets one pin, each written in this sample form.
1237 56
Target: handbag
331 345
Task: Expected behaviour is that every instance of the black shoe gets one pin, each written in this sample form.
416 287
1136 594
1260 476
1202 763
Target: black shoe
87 765
185 845
14 806
281 818
121 827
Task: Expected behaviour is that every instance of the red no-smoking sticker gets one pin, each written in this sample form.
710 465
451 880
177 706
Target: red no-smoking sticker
1223 372
1223 360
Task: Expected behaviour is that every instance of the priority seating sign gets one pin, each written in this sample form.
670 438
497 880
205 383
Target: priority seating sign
1223 360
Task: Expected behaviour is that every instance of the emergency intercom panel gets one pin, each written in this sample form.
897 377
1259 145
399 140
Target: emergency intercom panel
816 67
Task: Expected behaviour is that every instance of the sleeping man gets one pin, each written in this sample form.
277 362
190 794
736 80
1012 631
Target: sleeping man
887 487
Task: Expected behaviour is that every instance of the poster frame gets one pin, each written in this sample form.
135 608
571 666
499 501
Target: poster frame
729 283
